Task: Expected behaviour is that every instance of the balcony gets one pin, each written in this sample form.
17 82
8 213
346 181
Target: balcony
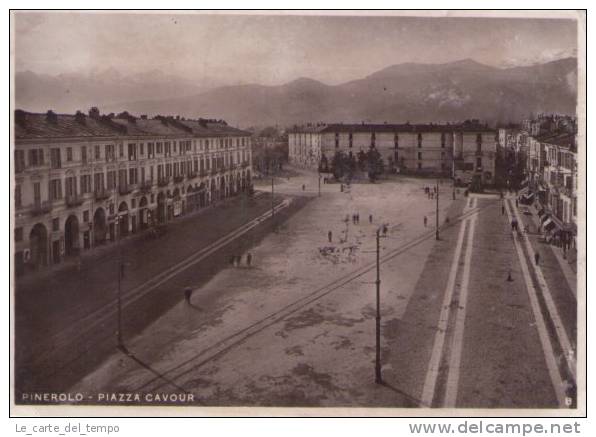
178 179
192 175
102 194
162 182
245 164
73 200
204 173
145 187
39 208
124 190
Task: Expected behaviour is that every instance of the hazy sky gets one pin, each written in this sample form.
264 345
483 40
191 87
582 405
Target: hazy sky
276 49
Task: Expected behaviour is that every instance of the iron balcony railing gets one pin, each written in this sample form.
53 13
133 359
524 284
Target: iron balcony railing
102 194
73 200
39 208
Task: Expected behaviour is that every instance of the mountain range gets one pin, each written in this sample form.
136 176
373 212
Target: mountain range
405 92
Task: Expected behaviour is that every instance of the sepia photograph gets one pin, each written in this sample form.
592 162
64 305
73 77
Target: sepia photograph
365 212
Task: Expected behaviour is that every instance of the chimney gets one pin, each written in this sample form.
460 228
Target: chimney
20 117
51 117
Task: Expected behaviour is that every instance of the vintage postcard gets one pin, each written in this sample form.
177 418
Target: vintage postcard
378 213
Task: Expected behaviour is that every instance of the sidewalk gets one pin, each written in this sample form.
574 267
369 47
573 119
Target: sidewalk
98 253
502 364
59 301
558 268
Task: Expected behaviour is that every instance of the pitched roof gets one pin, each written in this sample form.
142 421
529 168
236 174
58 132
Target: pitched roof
30 126
564 139
38 126
392 128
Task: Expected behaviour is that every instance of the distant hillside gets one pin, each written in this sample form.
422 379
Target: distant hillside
70 92
404 92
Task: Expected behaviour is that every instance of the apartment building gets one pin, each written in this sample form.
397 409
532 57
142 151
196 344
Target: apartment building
464 150
85 180
551 152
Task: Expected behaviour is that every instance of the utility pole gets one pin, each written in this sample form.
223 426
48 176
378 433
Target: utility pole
319 184
378 378
272 209
119 329
437 213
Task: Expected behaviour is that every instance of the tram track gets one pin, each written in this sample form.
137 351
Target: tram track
102 314
231 341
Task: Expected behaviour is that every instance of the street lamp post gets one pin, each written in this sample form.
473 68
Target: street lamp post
437 213
272 209
319 184
119 300
378 378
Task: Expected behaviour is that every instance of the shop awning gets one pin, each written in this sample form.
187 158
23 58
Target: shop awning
549 225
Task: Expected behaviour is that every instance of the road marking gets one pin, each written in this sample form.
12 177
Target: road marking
432 372
568 350
547 348
458 335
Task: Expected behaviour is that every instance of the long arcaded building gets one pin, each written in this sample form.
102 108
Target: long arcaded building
83 180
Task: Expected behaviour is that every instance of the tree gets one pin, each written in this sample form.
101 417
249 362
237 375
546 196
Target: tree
375 164
390 165
338 165
324 164
362 160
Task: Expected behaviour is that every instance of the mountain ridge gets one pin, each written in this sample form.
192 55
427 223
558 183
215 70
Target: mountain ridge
408 91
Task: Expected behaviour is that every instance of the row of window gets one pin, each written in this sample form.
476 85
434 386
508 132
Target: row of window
35 157
121 178
373 140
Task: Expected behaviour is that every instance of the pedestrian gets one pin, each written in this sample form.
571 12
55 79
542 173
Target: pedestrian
516 202
353 219
330 236
502 209
514 224
358 217
248 259
238 260
536 257
232 260
187 294
384 229
303 187
370 218
425 221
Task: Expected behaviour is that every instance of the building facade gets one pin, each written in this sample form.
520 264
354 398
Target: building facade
459 150
83 181
551 148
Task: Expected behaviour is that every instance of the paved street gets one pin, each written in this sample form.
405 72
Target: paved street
305 304
55 346
467 321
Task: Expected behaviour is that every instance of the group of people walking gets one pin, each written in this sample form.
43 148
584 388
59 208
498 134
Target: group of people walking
431 193
236 260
